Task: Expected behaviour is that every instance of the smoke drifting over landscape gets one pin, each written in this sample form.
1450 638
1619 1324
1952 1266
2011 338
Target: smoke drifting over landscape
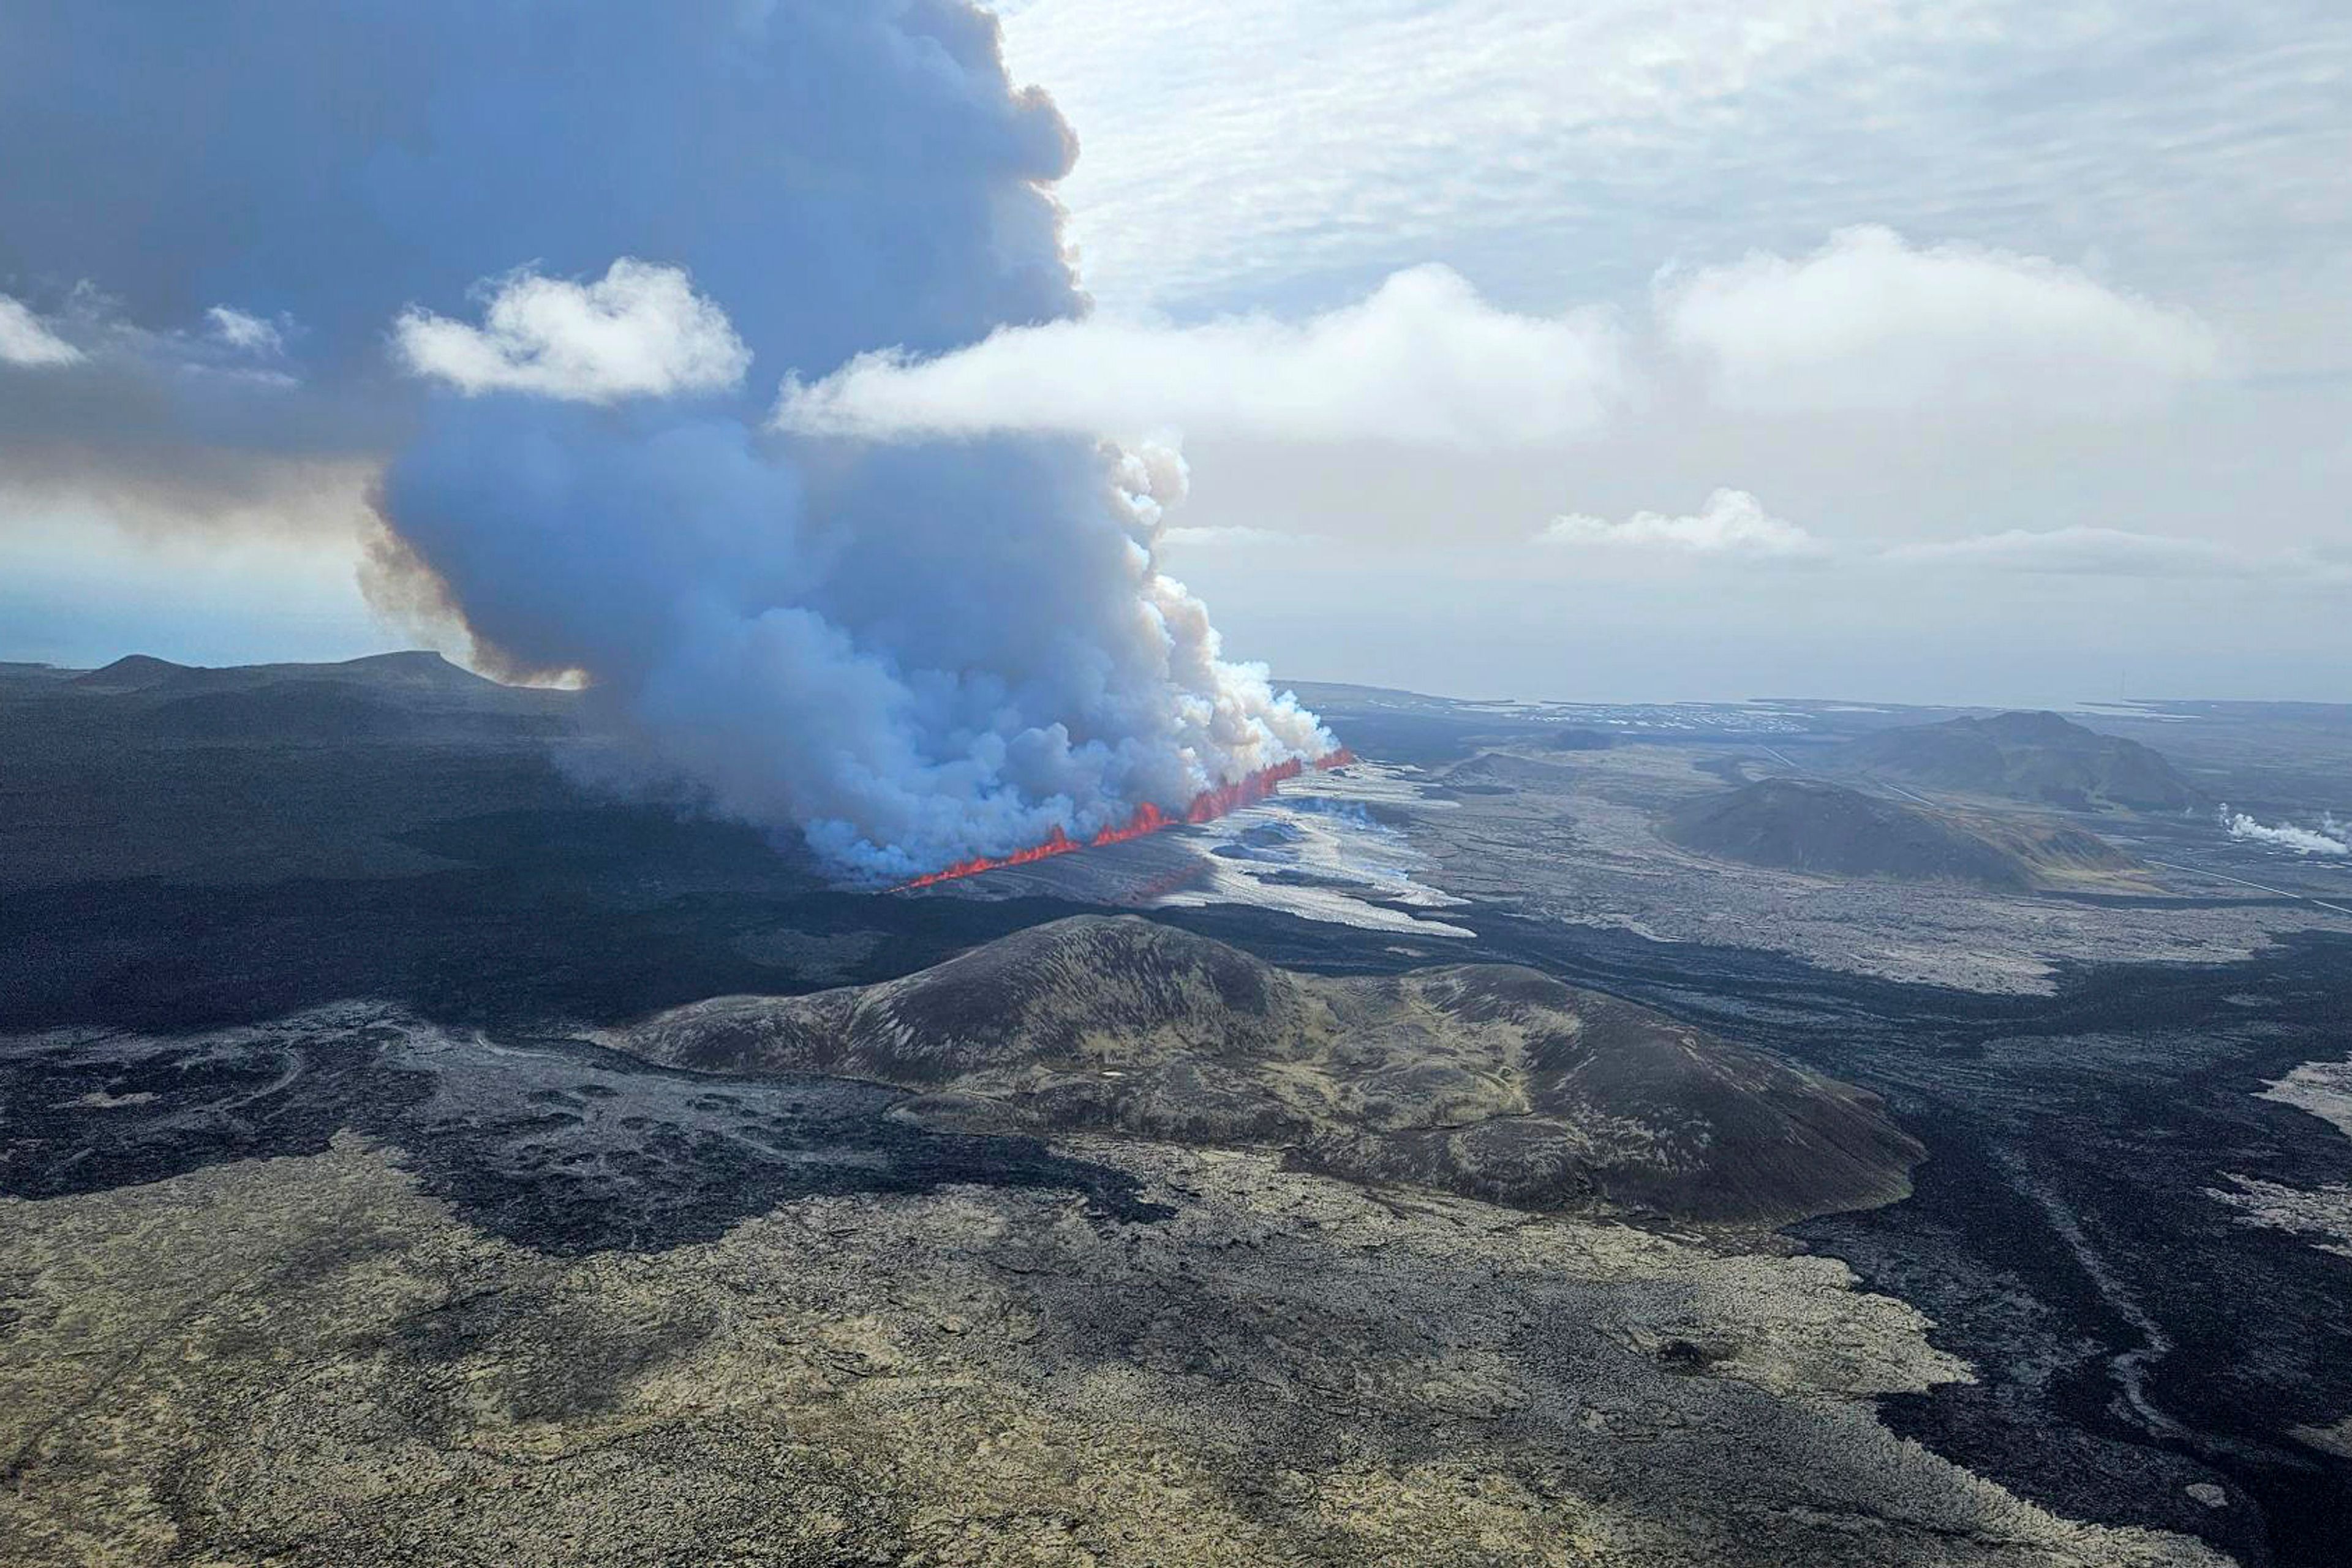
2330 837
549 263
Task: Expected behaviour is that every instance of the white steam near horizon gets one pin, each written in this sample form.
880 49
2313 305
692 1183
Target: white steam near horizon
2330 839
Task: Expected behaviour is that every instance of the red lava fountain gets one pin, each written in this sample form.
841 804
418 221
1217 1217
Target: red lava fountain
1206 806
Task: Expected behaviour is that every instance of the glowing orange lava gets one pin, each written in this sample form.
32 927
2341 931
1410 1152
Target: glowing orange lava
1206 806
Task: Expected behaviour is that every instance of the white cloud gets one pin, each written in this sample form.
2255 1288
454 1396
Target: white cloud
26 340
639 332
1230 146
1235 535
243 332
1870 322
1424 361
1733 522
2085 551
1234 149
2097 552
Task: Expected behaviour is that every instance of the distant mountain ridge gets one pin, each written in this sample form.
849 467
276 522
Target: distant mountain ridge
1491 1080
384 697
249 773
2037 756
410 667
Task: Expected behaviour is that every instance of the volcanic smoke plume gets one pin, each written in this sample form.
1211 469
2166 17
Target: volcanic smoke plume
548 263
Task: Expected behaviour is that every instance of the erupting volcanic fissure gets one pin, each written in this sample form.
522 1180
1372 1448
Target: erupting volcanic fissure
1206 806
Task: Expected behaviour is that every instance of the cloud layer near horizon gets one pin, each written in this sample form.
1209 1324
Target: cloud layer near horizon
1868 322
1732 522
1871 322
1422 360
1244 152
1734 525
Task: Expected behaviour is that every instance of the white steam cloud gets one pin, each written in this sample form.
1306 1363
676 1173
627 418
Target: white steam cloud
2329 838
640 331
27 340
1871 322
1424 361
1732 523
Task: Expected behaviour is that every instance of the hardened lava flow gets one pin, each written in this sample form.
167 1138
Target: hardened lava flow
1206 806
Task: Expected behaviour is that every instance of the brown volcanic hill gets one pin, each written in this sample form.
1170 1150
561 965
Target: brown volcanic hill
1805 825
2028 756
1486 1079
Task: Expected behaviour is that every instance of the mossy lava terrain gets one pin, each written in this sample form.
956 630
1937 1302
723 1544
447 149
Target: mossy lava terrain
1148 1252
306 1360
